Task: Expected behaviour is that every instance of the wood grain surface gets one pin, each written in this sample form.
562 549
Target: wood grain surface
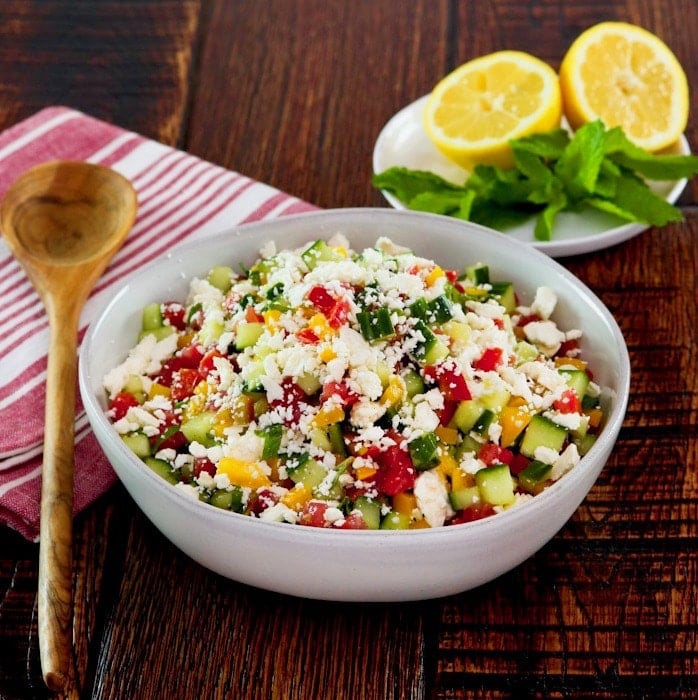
294 93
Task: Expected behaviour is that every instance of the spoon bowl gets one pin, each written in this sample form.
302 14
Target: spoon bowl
63 221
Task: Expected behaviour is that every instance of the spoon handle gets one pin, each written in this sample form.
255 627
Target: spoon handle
55 593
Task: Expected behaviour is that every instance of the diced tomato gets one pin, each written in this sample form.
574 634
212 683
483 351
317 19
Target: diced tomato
494 454
525 320
568 403
206 365
451 275
183 383
266 498
447 412
518 464
173 439
346 396
321 298
292 402
174 312
203 464
192 355
451 382
499 323
568 348
353 521
335 310
477 511
251 316
489 360
307 336
313 514
396 472
119 405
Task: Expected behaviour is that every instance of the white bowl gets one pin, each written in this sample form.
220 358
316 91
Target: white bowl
358 565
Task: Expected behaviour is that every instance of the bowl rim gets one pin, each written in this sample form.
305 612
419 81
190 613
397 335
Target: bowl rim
503 520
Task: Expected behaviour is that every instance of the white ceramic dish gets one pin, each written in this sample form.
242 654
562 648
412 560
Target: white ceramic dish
356 565
403 142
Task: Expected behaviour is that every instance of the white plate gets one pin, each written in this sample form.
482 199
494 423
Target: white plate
403 142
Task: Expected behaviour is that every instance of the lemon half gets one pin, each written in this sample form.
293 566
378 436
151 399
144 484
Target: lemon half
474 111
628 77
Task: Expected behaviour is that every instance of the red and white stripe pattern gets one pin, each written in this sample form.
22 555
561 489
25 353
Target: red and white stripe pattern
180 197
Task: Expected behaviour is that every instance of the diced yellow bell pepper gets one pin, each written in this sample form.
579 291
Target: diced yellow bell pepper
595 417
243 473
461 480
319 325
404 503
364 472
194 406
570 362
513 420
271 319
449 436
433 275
420 524
157 389
327 353
185 340
297 497
328 416
395 392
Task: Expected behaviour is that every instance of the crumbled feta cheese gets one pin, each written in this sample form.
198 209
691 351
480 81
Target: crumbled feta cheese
545 335
432 498
544 303
568 459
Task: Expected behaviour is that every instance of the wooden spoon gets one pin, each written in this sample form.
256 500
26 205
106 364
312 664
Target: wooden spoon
63 221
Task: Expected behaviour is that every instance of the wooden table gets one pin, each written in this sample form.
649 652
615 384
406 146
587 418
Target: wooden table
294 93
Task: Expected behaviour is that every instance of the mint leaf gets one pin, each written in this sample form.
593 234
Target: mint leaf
622 151
579 165
549 145
635 201
543 230
406 184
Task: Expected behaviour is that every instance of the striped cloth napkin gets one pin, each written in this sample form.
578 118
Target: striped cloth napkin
181 198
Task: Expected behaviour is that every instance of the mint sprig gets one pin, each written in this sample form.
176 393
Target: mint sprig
553 172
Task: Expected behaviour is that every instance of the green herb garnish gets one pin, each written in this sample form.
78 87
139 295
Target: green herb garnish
552 172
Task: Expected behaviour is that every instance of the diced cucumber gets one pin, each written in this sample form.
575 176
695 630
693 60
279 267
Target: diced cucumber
247 334
495 400
138 443
503 292
152 317
496 485
466 415
304 469
395 521
162 468
467 445
436 352
221 277
542 432
228 499
198 428
336 438
309 383
159 333
414 384
464 498
370 509
534 474
576 379
319 439
440 310
271 435
253 377
525 352
478 274
424 451
584 444
317 251
482 424
211 330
